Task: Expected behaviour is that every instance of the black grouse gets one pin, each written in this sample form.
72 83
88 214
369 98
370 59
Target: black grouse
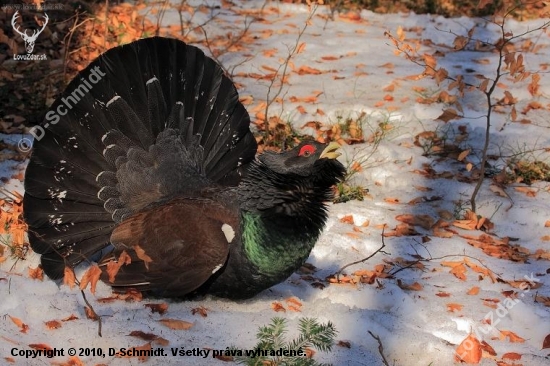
149 152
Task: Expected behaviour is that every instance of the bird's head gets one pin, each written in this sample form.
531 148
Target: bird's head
308 159
293 185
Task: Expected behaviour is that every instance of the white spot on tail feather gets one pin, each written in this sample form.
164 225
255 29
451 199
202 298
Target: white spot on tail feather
55 193
113 99
228 232
107 148
152 80
100 192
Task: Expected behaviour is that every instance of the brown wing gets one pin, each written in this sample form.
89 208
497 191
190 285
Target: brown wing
174 248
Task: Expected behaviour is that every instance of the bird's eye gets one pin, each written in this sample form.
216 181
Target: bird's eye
306 150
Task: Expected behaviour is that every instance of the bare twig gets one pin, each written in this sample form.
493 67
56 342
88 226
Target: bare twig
270 99
505 39
88 304
431 259
487 87
380 348
234 40
68 42
379 250
93 311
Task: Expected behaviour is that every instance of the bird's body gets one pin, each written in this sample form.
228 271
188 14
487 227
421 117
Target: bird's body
156 159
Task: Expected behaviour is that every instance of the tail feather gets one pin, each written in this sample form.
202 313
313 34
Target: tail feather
155 118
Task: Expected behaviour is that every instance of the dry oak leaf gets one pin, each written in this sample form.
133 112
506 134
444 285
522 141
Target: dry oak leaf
303 70
513 337
351 16
424 221
36 273
90 313
347 219
294 301
23 328
512 356
150 337
524 285
53 324
457 269
528 192
277 306
484 271
487 348
68 277
414 287
463 155
91 276
442 232
141 255
69 318
176 324
344 344
301 109
201 310
158 308
469 350
545 300
391 200
452 307
448 114
114 266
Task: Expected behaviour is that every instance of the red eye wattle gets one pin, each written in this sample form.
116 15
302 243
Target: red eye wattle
306 150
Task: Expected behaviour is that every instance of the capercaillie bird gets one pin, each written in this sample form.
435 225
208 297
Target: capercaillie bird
155 157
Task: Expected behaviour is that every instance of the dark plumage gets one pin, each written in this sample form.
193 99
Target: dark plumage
157 159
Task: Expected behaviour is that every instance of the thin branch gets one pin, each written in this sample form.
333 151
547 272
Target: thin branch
93 312
431 259
504 40
380 348
77 282
379 250
234 41
291 52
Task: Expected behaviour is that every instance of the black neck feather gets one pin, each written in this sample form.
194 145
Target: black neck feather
290 198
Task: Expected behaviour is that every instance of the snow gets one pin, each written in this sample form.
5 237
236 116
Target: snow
415 327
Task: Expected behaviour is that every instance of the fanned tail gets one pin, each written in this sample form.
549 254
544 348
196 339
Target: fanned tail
143 123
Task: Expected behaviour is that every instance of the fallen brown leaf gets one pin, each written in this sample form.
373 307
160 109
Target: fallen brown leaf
469 350
176 324
158 308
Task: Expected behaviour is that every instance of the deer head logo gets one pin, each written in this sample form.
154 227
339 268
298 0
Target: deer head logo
29 40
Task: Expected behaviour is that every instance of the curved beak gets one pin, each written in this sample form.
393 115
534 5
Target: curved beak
330 151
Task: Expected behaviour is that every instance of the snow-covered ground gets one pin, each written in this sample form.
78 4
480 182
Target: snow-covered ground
418 324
